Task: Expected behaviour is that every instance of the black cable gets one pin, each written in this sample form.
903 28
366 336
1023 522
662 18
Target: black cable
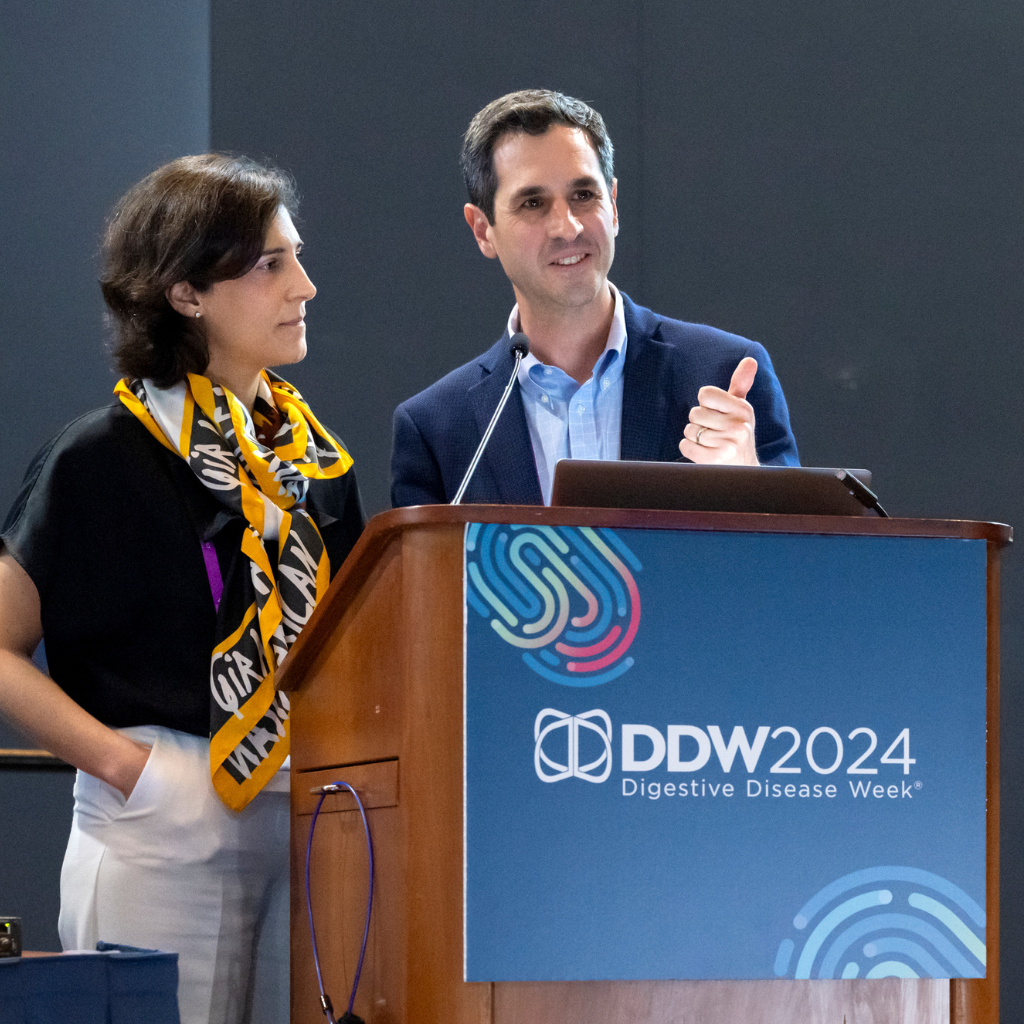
860 491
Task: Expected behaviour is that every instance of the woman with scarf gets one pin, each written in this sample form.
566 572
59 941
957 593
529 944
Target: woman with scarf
171 547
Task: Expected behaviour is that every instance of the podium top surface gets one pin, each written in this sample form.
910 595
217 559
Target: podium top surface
657 519
385 527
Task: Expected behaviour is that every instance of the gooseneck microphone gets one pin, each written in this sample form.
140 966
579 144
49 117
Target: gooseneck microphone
518 347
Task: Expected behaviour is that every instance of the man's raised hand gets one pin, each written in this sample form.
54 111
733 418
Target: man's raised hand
721 428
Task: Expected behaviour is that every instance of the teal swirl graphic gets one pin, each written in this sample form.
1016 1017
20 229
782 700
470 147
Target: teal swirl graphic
565 596
929 928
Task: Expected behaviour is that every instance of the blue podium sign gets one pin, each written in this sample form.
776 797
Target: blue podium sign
723 755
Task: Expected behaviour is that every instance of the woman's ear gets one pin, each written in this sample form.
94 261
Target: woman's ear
185 299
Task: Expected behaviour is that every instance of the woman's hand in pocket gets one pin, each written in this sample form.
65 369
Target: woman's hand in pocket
128 760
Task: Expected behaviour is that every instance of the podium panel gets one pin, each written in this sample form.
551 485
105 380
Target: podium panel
377 694
723 755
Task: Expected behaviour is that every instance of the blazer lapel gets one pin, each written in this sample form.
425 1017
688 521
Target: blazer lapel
646 388
508 460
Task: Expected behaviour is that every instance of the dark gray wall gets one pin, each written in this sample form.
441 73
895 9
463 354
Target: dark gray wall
35 816
92 97
838 181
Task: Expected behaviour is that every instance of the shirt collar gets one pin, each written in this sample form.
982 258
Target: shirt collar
616 343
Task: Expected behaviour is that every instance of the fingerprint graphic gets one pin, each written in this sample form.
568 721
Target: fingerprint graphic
565 596
886 922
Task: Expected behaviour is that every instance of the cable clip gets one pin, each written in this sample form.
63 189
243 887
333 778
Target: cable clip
327 1007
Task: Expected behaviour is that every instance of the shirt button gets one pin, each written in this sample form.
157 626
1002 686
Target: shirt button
544 399
547 371
582 409
605 385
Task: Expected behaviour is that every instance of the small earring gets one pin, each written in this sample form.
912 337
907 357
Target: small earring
198 315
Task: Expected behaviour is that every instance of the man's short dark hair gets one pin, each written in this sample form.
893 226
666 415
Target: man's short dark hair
532 111
200 219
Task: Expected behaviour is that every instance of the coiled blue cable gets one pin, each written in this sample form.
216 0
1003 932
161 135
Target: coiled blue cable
325 1002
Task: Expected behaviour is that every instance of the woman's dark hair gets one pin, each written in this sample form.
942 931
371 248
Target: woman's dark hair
532 111
199 219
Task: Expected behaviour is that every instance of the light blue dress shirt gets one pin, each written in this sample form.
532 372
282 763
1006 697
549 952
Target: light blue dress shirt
568 420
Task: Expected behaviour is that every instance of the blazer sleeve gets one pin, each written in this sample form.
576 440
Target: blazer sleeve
415 474
776 445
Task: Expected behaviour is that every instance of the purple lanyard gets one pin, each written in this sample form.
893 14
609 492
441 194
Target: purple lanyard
213 572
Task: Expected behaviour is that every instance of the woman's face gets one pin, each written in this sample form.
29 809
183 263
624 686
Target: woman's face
257 320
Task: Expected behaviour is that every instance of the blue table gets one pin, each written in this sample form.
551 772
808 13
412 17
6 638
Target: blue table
115 985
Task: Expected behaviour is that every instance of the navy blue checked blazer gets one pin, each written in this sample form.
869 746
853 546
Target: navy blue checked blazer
667 362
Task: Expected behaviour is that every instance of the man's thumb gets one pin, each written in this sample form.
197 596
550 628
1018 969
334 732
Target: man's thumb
743 377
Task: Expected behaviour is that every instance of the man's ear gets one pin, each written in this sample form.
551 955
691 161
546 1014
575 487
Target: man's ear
184 298
480 226
615 207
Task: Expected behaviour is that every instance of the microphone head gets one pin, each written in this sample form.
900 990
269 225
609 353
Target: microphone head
520 343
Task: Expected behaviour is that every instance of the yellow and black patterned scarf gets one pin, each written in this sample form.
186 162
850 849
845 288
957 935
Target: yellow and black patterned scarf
213 432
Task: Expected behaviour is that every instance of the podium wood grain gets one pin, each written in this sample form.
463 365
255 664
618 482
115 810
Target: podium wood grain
375 683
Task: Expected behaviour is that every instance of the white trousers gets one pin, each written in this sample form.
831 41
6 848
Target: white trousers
172 868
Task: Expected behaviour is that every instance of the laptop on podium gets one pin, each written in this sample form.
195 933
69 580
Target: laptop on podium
687 487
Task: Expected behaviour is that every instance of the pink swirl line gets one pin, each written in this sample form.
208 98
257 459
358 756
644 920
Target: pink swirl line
634 621
588 652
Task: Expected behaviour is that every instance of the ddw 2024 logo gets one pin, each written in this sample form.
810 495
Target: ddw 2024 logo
580 746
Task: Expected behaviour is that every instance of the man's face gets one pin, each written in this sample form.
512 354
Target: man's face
555 219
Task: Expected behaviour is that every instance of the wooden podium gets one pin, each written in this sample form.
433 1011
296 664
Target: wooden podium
375 683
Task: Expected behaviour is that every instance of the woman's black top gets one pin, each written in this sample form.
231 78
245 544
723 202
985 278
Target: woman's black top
109 525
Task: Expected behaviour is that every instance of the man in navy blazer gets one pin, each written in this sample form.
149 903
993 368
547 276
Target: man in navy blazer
605 378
